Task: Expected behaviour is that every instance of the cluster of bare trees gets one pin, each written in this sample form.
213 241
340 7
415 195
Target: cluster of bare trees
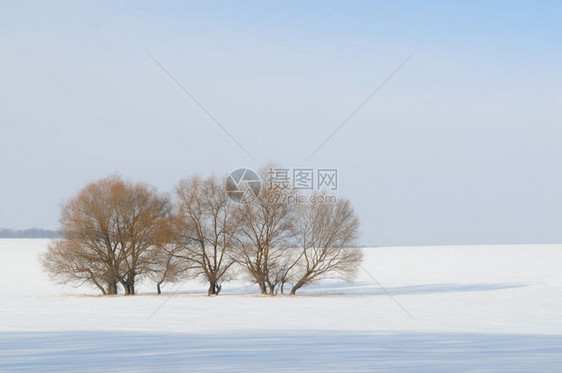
117 232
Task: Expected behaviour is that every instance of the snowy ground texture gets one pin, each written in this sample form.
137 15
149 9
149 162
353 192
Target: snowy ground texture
474 308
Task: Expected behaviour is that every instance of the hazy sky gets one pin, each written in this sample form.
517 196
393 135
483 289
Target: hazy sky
461 146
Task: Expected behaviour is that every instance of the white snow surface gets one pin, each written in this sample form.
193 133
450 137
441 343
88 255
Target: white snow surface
473 308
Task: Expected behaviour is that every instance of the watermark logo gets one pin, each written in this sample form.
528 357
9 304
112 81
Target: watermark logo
284 184
283 179
243 185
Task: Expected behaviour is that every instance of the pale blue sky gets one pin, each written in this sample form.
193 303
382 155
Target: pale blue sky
462 146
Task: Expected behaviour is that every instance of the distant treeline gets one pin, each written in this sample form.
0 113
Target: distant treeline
28 233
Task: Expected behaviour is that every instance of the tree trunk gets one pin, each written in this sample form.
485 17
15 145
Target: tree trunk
158 288
212 288
112 287
125 287
263 289
296 287
271 289
129 287
103 291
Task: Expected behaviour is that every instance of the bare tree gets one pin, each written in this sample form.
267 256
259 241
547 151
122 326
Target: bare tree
115 232
165 263
283 271
109 229
75 265
264 228
206 229
167 266
325 233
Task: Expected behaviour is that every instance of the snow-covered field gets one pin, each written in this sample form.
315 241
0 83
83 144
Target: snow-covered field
474 308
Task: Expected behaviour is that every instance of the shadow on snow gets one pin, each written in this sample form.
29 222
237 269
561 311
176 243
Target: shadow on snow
278 351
